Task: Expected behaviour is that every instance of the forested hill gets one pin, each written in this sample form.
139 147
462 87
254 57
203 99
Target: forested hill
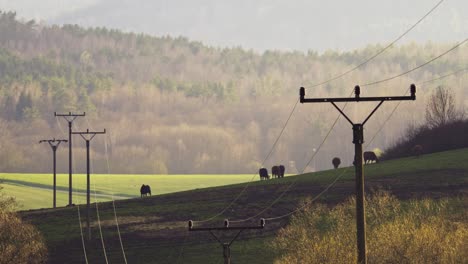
171 105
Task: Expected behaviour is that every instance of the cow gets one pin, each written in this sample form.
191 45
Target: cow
281 171
336 162
369 157
417 150
263 172
275 172
145 190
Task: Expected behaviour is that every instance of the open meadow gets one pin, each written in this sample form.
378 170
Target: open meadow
34 191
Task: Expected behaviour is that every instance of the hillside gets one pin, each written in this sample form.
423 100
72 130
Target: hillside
154 230
174 106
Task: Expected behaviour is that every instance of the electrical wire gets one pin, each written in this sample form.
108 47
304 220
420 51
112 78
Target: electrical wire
254 175
295 179
82 237
381 81
112 193
368 84
417 67
381 51
113 203
399 102
98 217
293 182
346 169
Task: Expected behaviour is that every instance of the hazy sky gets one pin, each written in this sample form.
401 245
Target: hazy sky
262 24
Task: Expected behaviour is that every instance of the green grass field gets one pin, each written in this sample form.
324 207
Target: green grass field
33 191
154 230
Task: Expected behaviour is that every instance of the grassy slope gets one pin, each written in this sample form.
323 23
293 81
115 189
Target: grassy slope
153 229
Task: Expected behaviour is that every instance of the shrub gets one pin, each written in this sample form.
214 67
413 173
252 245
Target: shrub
19 242
417 232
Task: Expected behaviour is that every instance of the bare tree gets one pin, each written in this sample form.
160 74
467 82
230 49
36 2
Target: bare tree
441 108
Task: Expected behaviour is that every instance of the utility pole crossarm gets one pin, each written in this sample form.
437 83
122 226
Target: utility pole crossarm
226 246
226 226
53 142
70 115
87 132
357 97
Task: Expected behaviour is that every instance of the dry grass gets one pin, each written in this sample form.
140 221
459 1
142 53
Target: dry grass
424 231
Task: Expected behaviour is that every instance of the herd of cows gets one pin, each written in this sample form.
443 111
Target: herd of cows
276 172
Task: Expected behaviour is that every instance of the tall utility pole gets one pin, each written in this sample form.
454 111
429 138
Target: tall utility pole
88 136
54 143
226 246
70 117
358 140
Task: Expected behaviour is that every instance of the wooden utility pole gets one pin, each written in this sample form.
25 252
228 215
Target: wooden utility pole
358 140
70 117
54 143
226 245
88 136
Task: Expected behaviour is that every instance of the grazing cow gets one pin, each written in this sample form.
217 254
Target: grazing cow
274 172
263 174
336 162
417 150
281 171
369 157
145 190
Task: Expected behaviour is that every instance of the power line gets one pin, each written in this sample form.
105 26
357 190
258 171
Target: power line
398 104
444 76
81 232
293 182
372 139
254 175
113 203
87 137
381 51
99 220
112 195
381 81
417 67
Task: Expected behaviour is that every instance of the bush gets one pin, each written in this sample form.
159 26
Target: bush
19 242
416 232
450 136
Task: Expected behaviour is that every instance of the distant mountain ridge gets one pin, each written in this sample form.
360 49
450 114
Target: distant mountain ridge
276 25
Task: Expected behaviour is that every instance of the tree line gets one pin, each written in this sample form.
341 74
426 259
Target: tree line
171 105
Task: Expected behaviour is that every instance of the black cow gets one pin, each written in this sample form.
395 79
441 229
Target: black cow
336 162
281 171
145 190
275 172
263 174
369 157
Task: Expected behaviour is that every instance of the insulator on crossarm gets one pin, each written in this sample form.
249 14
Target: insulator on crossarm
413 90
357 91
